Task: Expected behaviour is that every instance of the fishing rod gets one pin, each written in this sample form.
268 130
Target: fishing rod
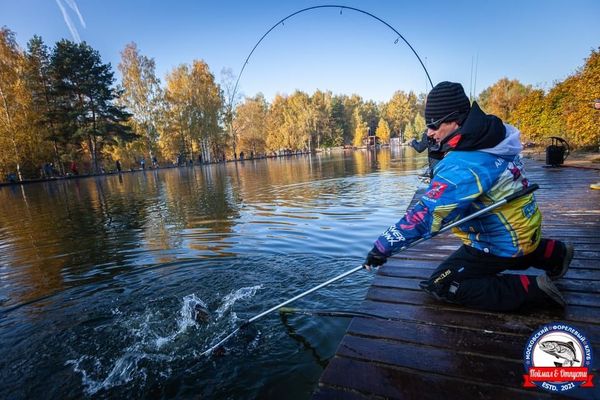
341 7
507 199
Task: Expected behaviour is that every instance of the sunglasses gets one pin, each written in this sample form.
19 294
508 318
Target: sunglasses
435 125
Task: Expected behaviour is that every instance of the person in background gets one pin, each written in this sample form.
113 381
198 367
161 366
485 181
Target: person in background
434 156
482 166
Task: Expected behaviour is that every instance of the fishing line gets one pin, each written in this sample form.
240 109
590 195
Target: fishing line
281 22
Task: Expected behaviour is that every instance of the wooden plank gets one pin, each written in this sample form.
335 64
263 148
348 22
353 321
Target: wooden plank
437 250
489 343
429 261
432 312
510 346
533 315
338 393
396 383
471 367
391 285
575 291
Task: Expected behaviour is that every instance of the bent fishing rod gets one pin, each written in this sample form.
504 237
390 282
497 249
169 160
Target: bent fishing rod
507 199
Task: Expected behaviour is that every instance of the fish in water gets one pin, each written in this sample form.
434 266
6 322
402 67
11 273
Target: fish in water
200 313
564 350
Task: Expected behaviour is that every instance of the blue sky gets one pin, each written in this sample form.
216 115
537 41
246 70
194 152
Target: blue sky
536 42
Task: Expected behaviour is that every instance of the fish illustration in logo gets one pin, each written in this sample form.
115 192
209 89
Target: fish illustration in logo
564 350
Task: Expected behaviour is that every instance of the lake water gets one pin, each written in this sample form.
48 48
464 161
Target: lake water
99 276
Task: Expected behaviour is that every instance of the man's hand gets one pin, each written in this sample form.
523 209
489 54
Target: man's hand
374 259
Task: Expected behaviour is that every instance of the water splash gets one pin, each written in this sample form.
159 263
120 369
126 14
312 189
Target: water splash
231 298
185 321
154 340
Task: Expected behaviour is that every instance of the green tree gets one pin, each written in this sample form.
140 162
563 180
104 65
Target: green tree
337 121
351 105
87 110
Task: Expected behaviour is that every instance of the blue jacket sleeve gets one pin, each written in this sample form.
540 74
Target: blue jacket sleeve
457 183
421 145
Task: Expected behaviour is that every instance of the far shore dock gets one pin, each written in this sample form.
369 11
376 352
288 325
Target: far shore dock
432 350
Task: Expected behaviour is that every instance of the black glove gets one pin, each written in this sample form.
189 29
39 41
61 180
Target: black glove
375 258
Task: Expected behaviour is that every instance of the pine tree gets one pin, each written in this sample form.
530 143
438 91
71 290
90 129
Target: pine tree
87 112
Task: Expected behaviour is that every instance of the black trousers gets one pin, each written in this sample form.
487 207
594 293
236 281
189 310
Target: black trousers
473 278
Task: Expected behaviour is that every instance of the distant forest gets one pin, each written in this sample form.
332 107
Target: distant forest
62 107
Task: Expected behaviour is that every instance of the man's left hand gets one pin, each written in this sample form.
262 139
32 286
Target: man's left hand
374 259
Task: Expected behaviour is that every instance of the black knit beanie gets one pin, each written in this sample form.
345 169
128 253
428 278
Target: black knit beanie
445 98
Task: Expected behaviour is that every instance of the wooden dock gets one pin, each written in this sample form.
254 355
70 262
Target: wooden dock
433 350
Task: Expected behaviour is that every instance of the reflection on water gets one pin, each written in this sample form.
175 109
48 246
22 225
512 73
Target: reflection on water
96 273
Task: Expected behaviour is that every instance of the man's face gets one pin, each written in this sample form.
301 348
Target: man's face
444 130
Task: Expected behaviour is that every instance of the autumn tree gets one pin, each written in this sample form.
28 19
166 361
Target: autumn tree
383 131
290 122
10 63
194 103
580 120
361 129
142 95
231 98
250 124
415 128
321 104
21 146
566 110
400 110
503 97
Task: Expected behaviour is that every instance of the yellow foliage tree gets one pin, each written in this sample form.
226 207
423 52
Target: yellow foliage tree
503 97
16 139
383 131
566 111
361 129
249 124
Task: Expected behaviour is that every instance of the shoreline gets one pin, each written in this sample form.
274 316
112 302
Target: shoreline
576 159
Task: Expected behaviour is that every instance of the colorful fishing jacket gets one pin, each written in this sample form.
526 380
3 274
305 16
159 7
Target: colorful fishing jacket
465 182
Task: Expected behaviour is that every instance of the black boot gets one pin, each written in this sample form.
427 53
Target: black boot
548 287
560 270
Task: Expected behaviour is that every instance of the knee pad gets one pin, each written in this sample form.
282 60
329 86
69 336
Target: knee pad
442 285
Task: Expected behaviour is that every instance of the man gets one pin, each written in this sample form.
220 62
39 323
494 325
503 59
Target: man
481 166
